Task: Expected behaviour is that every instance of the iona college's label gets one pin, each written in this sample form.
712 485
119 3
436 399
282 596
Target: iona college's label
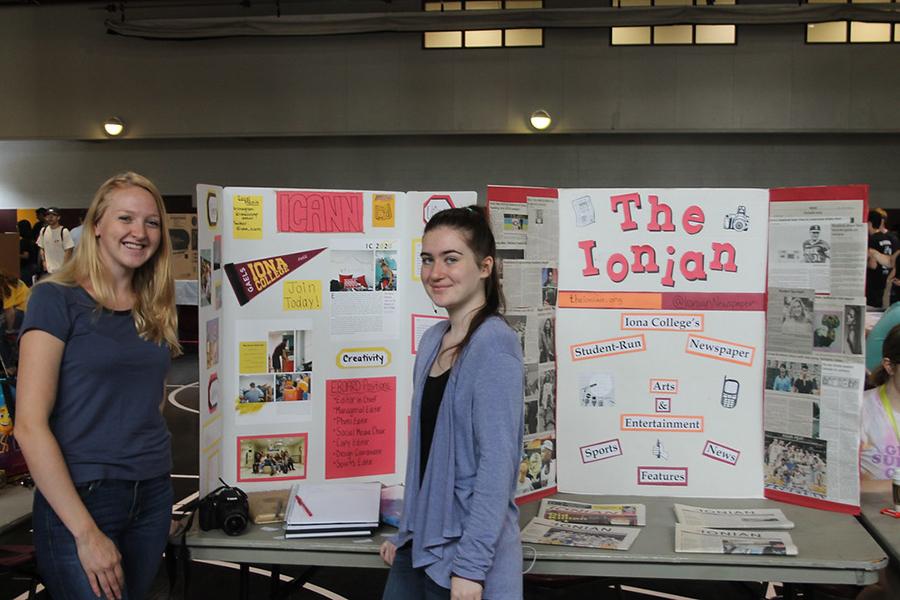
363 358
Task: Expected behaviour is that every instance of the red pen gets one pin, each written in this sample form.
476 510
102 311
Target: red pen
303 505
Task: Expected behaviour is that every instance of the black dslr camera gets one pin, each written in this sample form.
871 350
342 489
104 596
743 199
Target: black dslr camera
225 508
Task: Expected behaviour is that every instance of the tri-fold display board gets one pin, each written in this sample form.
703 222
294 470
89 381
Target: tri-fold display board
644 316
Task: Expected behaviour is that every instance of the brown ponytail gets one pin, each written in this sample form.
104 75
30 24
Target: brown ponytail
890 350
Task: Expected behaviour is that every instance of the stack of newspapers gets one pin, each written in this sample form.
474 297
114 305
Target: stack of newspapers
568 523
733 531
332 509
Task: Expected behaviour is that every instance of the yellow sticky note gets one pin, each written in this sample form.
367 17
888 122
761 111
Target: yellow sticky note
303 295
253 357
383 210
247 217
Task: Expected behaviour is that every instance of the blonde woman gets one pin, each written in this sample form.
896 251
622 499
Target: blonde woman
96 345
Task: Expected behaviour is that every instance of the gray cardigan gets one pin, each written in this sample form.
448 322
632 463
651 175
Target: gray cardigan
462 518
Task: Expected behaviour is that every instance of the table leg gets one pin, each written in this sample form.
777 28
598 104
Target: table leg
244 585
274 580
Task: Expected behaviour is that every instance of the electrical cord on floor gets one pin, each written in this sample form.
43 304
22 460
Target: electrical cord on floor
533 558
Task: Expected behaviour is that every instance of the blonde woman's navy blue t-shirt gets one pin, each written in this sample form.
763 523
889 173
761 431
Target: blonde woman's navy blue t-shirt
111 382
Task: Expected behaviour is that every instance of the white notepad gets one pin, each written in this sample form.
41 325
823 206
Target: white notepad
333 503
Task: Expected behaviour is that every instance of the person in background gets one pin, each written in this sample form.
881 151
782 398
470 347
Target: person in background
459 532
55 243
29 253
880 443
76 231
96 345
882 246
15 299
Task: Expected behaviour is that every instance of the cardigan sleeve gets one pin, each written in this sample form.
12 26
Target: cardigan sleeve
497 424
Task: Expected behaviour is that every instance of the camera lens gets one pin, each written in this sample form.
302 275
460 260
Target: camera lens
234 523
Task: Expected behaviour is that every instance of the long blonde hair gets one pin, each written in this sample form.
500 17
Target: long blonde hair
154 288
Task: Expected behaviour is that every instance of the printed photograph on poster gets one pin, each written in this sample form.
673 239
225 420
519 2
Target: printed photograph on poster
797 316
531 416
597 390
519 323
217 253
798 243
547 340
828 332
796 464
386 271
212 343
256 389
793 376
206 279
853 329
289 351
217 295
293 387
515 222
504 254
351 270
549 285
546 418
531 381
537 470
272 457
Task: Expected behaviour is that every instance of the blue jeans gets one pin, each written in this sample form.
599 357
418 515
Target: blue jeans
406 583
135 515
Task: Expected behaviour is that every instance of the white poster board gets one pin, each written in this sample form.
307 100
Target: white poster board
310 305
660 333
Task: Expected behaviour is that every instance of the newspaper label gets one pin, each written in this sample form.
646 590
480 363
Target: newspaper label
601 451
720 350
677 476
672 423
661 322
721 453
610 347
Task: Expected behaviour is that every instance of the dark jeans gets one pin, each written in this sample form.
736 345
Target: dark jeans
135 515
406 583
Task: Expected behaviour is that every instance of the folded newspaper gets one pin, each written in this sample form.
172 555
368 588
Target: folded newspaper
607 537
733 541
568 511
732 518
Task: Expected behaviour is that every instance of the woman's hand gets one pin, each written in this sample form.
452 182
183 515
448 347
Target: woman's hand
388 551
102 564
464 589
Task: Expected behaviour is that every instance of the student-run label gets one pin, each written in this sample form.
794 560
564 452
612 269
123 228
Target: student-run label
601 451
610 347
677 476
721 452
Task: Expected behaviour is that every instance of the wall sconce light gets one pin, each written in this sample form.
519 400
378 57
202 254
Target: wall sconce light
113 127
540 120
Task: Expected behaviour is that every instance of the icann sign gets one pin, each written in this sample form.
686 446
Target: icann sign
363 358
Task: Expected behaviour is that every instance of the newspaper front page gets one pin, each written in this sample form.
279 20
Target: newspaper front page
732 518
733 541
568 511
605 537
